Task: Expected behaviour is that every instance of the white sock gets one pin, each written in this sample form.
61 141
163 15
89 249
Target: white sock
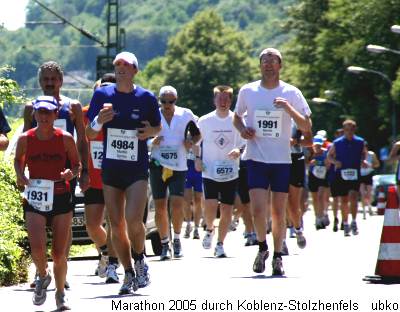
176 235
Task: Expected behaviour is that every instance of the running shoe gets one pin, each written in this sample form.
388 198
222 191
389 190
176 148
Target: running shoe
259 261
207 240
130 284
342 226
165 252
354 228
188 230
219 251
277 267
177 248
335 225
233 225
66 285
292 232
41 284
62 302
142 273
112 276
196 234
102 266
285 250
346 229
325 220
251 239
301 240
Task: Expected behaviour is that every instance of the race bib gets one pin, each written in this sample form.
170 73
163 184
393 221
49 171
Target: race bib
61 123
190 155
225 170
319 172
39 194
122 144
169 156
268 123
96 151
349 174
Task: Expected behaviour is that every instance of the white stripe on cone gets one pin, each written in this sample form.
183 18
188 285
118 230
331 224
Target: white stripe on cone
392 218
389 251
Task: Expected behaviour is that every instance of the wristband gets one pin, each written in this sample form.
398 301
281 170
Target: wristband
95 125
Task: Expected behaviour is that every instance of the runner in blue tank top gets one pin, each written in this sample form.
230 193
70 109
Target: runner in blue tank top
128 115
348 155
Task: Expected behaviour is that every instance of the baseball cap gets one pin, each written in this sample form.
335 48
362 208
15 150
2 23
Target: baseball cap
46 102
127 57
322 133
318 140
271 51
168 89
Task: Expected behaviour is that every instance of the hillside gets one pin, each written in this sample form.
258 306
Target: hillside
148 25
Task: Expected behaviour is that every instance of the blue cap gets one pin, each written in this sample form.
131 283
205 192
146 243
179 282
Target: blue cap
46 102
318 140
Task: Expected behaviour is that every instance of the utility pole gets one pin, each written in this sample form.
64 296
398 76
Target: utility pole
115 36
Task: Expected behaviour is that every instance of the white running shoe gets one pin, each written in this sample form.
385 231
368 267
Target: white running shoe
102 266
219 251
41 284
62 302
188 230
112 276
207 240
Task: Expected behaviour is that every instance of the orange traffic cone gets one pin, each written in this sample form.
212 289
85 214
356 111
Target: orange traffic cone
381 203
388 264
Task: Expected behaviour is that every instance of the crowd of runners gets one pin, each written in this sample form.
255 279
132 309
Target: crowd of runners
257 162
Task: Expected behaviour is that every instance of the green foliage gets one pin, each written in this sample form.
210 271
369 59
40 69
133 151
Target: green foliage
148 24
204 54
13 258
332 35
8 88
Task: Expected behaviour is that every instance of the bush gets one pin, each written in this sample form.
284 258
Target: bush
14 261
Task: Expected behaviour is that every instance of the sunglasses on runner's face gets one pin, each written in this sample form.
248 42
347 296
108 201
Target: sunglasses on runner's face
167 102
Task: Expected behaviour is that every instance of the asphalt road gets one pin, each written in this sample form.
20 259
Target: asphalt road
326 276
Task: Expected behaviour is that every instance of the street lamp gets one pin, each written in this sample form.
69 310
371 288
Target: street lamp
318 100
373 48
395 29
359 70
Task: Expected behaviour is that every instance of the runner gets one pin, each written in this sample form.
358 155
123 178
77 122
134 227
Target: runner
94 203
296 185
220 164
331 178
168 166
317 180
366 180
270 105
394 156
347 154
193 195
128 115
4 129
69 118
44 150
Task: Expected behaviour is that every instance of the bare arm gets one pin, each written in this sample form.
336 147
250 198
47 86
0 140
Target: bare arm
28 116
72 154
245 132
19 161
3 141
393 155
375 161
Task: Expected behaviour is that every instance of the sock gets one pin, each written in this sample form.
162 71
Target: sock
129 270
298 230
138 257
262 246
113 260
165 240
220 243
176 235
103 250
277 255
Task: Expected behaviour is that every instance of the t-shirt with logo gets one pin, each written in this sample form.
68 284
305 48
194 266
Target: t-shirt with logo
122 150
171 153
273 125
219 137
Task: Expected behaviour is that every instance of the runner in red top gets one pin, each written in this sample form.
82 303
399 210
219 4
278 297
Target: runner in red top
44 150
94 202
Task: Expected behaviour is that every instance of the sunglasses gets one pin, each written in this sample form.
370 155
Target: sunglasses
169 102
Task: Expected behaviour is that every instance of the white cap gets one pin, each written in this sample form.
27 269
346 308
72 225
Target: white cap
127 57
168 89
271 51
322 133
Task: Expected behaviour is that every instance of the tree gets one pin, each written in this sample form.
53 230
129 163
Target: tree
204 54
